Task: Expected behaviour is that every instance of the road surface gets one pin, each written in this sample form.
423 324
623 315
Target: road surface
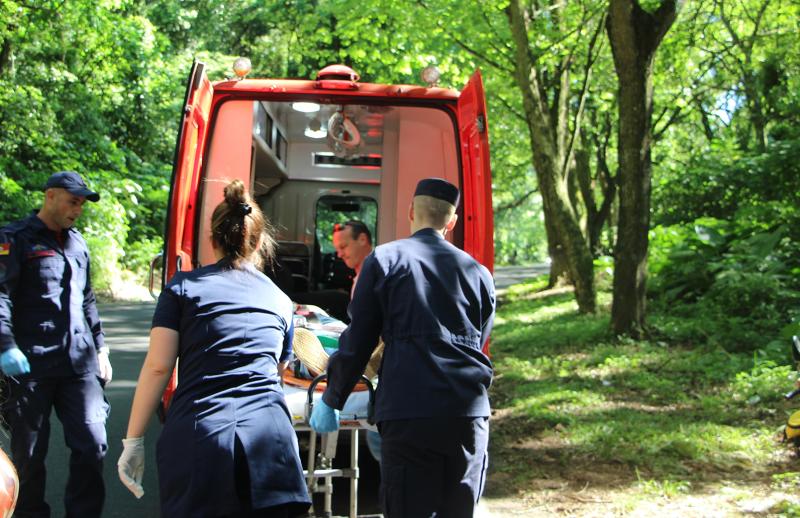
505 276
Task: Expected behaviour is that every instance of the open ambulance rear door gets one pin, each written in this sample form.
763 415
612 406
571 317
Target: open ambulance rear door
476 172
180 232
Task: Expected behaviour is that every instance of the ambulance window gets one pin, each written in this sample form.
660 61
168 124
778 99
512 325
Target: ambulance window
340 209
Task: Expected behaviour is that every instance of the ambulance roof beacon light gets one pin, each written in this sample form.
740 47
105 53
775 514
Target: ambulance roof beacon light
340 72
431 75
242 67
337 77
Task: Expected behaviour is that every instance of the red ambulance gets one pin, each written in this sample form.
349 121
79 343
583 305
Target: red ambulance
320 152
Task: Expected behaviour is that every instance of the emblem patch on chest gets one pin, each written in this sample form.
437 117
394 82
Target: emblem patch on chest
40 251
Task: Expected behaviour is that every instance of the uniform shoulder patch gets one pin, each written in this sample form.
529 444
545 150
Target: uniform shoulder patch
5 248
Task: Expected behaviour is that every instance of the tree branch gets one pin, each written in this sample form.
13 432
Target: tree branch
511 109
480 55
517 202
591 57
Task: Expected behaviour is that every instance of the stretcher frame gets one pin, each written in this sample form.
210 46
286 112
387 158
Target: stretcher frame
320 472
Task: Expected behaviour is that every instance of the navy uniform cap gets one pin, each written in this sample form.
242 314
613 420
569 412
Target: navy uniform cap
438 188
73 183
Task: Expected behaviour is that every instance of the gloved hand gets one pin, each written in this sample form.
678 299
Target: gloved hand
324 419
13 362
130 465
105 365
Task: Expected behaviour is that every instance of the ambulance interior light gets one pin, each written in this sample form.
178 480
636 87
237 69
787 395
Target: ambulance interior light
305 107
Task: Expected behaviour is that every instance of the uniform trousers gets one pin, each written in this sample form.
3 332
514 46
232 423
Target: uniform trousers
81 407
433 467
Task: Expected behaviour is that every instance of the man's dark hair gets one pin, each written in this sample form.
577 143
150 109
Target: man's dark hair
356 229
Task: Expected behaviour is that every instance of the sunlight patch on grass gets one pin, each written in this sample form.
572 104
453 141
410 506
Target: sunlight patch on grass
563 401
527 288
663 488
669 443
526 312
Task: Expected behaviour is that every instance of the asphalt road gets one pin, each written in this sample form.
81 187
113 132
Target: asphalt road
127 327
505 276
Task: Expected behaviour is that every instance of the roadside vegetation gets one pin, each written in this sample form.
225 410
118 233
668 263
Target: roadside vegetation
686 421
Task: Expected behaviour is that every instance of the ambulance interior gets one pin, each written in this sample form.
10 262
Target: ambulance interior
312 165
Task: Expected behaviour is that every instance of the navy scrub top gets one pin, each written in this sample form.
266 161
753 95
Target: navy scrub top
235 326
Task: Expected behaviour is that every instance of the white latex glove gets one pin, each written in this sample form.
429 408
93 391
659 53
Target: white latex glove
130 465
106 371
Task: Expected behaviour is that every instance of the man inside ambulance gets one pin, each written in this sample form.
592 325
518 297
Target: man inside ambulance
353 243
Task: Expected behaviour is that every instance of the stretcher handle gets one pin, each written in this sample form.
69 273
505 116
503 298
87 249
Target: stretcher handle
323 377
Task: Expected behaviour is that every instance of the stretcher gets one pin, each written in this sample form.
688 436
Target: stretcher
301 395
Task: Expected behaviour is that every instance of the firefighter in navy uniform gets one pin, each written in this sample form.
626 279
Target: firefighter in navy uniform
52 351
434 306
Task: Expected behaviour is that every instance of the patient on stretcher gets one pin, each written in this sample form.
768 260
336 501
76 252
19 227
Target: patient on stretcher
316 337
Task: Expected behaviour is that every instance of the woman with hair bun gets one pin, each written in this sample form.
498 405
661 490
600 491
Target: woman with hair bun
227 447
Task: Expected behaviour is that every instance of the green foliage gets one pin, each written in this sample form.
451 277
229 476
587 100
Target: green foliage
580 400
97 87
757 385
738 274
724 181
139 254
105 227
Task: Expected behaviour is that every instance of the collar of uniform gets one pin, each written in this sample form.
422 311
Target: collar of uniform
427 232
227 262
37 224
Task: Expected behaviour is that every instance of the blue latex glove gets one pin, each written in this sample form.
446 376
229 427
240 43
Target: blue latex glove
13 362
324 419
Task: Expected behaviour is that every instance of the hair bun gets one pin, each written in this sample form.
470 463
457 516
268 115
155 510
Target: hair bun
235 193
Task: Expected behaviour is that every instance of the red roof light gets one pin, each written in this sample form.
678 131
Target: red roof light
340 72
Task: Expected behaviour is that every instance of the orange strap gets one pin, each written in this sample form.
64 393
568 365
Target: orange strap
290 379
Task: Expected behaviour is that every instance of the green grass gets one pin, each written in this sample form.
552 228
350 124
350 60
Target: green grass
673 415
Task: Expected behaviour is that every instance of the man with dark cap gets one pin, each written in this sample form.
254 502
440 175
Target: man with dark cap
52 351
433 305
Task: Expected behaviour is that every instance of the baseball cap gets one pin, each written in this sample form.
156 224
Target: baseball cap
73 183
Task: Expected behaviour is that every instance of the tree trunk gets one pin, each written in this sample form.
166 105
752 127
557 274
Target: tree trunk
559 266
5 56
635 35
548 129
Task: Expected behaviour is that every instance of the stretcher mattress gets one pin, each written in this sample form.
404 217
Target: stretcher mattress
354 413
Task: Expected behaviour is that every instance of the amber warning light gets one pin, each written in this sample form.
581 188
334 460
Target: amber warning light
242 67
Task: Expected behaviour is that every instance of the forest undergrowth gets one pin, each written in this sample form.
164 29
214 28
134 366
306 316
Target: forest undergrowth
588 424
